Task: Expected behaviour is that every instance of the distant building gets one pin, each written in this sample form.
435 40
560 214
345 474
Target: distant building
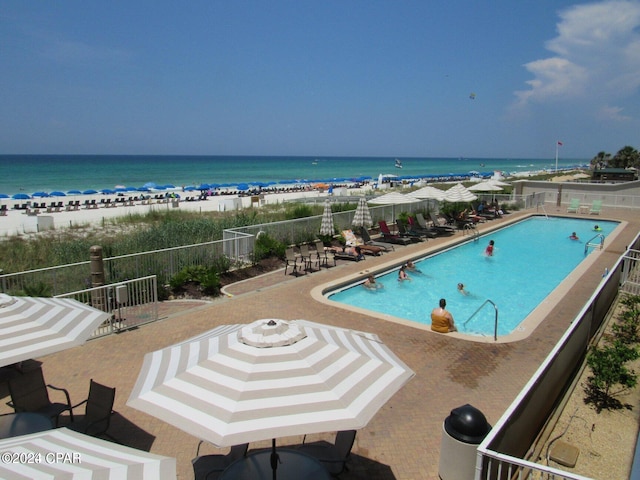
612 175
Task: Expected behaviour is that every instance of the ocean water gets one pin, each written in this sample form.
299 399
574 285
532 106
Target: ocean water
34 173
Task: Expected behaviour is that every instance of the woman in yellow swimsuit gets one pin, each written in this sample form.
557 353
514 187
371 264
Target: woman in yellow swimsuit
441 319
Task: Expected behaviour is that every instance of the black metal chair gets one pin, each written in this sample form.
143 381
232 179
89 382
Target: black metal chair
98 411
209 467
333 456
29 393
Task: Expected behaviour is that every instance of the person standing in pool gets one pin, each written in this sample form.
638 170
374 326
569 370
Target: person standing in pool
402 274
441 319
489 250
573 236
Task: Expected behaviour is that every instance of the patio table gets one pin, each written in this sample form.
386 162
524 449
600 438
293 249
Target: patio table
24 423
293 465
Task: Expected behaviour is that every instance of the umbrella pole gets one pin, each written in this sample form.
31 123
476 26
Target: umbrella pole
274 458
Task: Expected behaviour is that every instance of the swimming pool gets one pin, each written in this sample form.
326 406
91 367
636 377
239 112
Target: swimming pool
531 258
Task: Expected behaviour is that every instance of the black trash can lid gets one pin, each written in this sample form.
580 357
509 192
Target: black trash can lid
467 424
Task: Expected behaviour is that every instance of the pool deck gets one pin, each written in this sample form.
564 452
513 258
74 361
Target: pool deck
403 439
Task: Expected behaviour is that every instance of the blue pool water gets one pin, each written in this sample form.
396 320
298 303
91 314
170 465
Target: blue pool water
530 260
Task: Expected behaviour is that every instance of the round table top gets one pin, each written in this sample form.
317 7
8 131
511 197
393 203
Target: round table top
293 465
16 424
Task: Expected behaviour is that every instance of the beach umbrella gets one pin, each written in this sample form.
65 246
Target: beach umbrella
392 198
242 186
142 189
21 196
326 227
107 191
169 185
40 194
204 186
32 327
362 217
458 193
64 453
428 192
90 192
74 192
485 186
271 378
4 195
57 193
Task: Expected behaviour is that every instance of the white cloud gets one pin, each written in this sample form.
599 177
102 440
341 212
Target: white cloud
597 55
613 114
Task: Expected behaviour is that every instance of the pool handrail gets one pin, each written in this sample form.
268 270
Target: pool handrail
589 244
495 330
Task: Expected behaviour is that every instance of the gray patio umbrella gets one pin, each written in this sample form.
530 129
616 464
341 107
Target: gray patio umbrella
32 327
326 227
428 192
271 378
65 454
362 217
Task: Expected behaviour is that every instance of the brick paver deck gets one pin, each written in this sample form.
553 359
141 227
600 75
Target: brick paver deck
403 439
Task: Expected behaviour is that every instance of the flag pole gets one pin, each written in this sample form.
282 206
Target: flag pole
557 143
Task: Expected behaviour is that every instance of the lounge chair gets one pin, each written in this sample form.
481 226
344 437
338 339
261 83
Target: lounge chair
415 227
345 254
387 236
411 235
596 207
437 226
366 238
574 206
210 467
354 241
333 456
29 394
98 411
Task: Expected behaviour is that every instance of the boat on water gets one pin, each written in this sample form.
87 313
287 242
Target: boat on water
398 163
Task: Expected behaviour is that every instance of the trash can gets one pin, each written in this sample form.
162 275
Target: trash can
462 431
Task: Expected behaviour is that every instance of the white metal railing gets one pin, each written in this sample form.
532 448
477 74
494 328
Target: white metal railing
630 279
131 303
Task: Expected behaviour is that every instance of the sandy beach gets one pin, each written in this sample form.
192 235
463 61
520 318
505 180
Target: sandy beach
18 222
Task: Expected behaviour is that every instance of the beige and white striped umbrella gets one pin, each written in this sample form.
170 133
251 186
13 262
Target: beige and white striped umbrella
272 378
326 227
459 193
69 455
33 326
362 216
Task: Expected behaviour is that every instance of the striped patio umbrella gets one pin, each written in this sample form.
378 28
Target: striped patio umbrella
428 192
326 227
32 327
63 453
272 378
362 217
459 193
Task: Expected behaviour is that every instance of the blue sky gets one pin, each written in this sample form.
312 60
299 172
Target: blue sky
332 77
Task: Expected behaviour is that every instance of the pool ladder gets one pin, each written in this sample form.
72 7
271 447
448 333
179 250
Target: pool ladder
591 243
470 229
495 307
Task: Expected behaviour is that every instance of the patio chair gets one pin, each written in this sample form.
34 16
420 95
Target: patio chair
366 238
596 207
210 467
415 227
98 411
387 236
324 256
574 206
29 394
333 456
307 258
292 260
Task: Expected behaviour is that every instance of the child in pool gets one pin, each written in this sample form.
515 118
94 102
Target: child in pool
597 228
489 250
461 289
402 274
573 236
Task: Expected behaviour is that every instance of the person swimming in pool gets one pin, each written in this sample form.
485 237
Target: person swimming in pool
597 228
461 289
371 284
489 250
573 236
402 274
441 319
412 267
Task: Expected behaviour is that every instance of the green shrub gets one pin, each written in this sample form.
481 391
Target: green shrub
300 210
266 246
206 277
